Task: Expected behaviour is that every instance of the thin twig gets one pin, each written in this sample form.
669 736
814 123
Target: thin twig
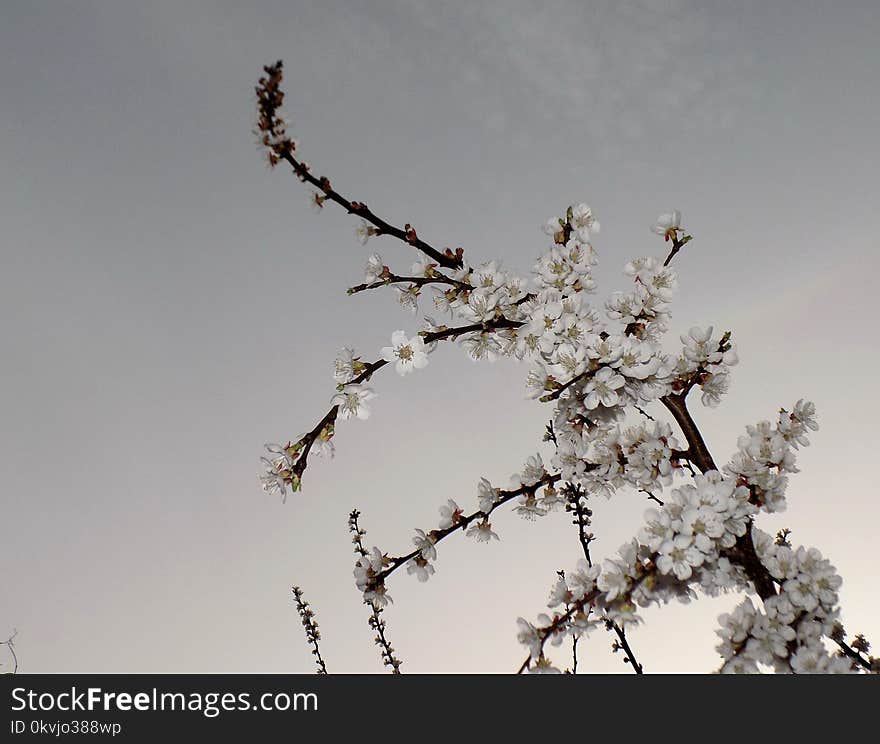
273 136
310 625
325 428
869 664
677 245
418 281
743 552
622 643
559 621
375 621
462 522
583 516
10 644
645 414
651 496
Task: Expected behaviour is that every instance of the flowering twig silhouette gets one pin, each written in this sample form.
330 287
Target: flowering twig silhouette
460 522
310 625
576 503
376 622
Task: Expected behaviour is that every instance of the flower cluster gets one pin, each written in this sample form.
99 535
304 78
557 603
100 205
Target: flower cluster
689 531
696 540
419 565
602 459
483 295
705 362
279 474
568 266
680 547
571 344
644 309
767 454
787 633
283 468
366 570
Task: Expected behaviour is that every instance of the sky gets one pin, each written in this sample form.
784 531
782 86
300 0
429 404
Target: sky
168 305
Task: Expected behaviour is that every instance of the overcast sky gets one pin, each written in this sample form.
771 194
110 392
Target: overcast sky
167 304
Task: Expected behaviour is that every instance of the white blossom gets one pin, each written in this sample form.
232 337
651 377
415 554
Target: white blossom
450 514
602 388
352 401
347 366
407 354
481 531
420 568
364 231
374 269
668 224
425 545
583 221
486 495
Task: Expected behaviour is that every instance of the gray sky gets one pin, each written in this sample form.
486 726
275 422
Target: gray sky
167 304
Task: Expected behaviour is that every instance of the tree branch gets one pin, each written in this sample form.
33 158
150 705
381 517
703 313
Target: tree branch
851 653
698 453
622 643
310 625
677 245
582 519
274 137
559 621
419 281
325 428
376 622
463 522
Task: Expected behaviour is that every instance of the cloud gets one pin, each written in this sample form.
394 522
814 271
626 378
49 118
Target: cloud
613 69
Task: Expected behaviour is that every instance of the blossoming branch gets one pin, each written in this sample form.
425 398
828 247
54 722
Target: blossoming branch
599 366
